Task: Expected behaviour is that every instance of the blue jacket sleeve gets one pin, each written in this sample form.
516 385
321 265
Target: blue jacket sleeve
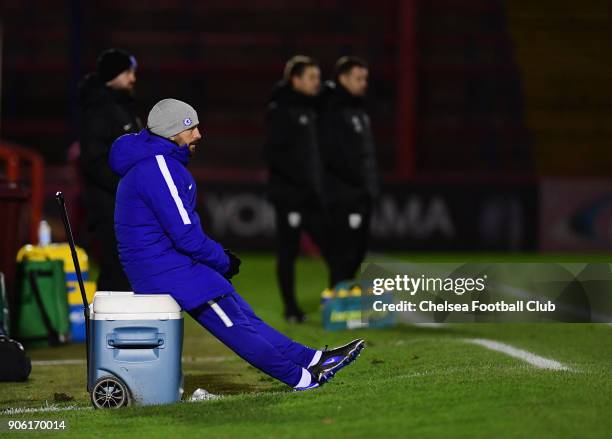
166 190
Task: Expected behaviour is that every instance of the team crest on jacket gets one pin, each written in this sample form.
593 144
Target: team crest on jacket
187 122
357 124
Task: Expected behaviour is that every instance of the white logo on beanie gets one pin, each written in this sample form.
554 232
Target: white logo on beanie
186 121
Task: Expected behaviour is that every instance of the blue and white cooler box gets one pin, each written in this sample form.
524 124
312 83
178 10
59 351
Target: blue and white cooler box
135 349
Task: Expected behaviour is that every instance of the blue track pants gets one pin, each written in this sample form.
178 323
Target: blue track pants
232 320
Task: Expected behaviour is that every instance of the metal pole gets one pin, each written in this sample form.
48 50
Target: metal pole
1 77
59 197
405 123
76 50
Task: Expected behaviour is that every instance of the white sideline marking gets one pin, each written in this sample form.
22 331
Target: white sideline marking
217 359
57 362
198 395
434 325
533 359
48 408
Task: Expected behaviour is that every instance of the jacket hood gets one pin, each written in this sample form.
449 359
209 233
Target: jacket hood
283 93
336 93
92 91
130 149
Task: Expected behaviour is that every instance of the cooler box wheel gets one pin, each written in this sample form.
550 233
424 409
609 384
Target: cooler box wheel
110 392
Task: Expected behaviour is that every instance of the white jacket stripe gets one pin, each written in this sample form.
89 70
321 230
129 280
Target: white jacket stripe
163 167
217 309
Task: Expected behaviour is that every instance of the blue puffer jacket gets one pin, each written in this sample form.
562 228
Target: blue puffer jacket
161 243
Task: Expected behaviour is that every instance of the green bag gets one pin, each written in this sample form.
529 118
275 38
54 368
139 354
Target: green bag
42 304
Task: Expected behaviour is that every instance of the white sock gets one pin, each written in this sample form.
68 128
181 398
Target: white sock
305 380
315 358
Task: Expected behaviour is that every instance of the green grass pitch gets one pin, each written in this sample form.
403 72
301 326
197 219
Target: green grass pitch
409 382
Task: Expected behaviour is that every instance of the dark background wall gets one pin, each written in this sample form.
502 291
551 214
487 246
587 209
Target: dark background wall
500 96
225 56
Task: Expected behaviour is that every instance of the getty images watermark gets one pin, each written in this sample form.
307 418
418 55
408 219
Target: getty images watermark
458 286
483 292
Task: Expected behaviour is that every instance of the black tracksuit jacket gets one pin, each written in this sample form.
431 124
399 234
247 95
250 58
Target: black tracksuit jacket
292 149
350 175
105 115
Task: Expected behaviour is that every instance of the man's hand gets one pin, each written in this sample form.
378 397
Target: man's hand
234 265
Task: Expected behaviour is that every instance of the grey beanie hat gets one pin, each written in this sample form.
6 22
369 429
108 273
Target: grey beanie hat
169 117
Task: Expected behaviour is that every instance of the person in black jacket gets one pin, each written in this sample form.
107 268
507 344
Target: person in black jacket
294 185
350 169
107 112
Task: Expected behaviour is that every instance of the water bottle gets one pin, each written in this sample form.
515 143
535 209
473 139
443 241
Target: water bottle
44 234
327 295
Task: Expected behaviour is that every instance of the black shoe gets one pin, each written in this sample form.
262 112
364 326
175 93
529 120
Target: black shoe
295 317
333 360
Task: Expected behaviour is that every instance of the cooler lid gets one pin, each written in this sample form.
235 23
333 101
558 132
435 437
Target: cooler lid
119 305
